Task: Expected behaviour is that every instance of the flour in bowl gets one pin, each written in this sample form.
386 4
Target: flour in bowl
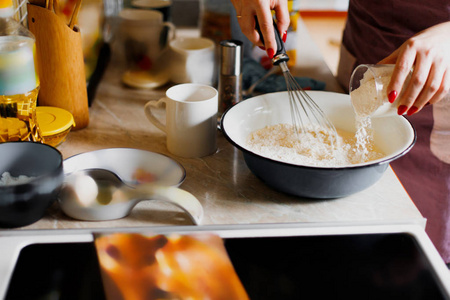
7 179
311 148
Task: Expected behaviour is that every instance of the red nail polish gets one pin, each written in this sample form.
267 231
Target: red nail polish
392 95
284 36
270 53
412 110
402 109
262 48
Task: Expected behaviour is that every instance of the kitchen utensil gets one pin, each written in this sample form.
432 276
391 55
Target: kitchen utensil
230 74
161 264
99 194
60 64
19 83
74 17
368 90
55 124
394 136
134 166
306 115
24 200
191 119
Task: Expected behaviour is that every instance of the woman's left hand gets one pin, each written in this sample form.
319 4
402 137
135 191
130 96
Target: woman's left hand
428 52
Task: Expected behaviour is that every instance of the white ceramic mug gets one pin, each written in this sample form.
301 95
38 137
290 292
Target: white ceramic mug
191 119
193 60
144 36
163 6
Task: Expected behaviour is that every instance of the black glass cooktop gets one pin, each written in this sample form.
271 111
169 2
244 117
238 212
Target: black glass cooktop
369 266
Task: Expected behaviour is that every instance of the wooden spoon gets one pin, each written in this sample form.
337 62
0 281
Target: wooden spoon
75 12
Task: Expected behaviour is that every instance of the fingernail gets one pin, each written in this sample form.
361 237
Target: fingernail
270 53
392 95
284 36
262 48
402 109
412 110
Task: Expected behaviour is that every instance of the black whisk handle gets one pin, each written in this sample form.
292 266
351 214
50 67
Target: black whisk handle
280 55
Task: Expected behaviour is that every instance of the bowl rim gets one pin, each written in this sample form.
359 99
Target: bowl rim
181 167
58 169
352 166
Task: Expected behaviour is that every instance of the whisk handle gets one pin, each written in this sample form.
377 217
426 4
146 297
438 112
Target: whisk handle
280 55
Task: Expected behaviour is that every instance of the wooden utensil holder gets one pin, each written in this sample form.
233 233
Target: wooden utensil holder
60 64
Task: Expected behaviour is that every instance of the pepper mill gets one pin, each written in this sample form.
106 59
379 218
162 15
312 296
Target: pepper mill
230 79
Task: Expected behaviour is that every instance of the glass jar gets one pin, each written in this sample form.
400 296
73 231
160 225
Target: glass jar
19 82
215 20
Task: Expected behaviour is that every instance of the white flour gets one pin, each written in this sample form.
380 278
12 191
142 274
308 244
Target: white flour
363 138
7 179
368 98
279 142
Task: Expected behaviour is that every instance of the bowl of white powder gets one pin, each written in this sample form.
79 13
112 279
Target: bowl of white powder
31 175
310 166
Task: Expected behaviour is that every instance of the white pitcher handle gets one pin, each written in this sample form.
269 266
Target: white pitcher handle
151 117
171 31
181 198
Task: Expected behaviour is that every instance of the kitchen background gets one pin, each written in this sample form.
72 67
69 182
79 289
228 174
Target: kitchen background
325 20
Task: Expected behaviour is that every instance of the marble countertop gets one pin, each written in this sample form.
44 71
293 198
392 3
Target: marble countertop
228 191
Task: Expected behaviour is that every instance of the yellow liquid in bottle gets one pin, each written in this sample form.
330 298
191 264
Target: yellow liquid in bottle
18 117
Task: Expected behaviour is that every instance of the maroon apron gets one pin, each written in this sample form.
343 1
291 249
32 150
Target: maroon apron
374 30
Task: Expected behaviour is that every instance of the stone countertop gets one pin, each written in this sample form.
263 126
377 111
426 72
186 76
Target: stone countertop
228 191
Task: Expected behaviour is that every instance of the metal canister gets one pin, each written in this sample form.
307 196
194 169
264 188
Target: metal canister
230 79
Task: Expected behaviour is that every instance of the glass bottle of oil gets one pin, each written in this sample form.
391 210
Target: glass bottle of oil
19 83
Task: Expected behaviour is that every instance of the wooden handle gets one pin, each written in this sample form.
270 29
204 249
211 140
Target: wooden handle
75 12
60 64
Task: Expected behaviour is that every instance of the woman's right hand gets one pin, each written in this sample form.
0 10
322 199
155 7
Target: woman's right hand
429 53
247 10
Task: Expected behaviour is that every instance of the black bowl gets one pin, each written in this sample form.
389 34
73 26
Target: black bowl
394 136
25 203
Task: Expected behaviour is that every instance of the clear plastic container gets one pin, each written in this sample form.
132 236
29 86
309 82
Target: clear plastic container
368 90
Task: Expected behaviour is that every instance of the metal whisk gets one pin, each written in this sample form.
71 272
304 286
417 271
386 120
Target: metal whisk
306 114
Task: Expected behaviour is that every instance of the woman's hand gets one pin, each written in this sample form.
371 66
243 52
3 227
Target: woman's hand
429 53
247 10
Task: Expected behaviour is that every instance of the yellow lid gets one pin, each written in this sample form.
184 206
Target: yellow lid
6 3
53 120
6 9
